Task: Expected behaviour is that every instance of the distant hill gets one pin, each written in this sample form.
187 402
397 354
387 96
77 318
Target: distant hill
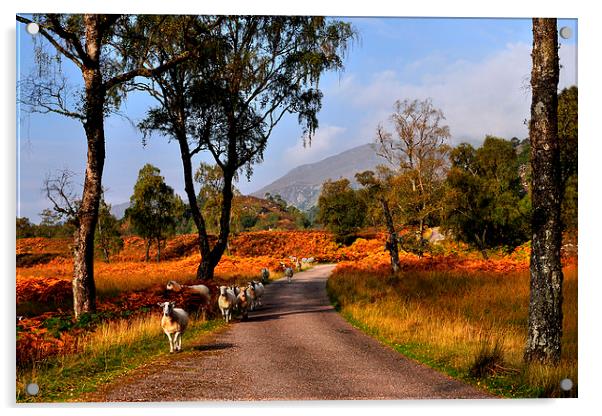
302 185
119 210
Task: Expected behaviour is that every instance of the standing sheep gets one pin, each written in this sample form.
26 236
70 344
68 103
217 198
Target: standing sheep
226 302
259 290
242 303
200 294
265 275
288 272
174 321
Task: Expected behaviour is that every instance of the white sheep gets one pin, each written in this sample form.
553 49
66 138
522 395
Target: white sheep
265 275
288 272
251 296
174 321
201 291
226 302
259 290
242 303
197 289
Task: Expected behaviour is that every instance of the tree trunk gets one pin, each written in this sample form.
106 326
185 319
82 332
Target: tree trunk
545 307
392 245
148 244
205 269
84 288
208 263
158 250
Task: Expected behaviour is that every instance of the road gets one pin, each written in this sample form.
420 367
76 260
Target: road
294 348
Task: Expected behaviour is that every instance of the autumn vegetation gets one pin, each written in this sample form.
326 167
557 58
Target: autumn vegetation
433 248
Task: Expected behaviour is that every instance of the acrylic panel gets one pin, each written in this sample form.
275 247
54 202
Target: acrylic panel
275 208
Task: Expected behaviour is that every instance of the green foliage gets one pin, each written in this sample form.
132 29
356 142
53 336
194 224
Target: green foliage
25 228
210 197
568 136
486 204
107 239
341 210
154 207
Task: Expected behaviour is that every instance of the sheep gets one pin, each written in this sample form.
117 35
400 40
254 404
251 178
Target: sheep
298 265
226 302
242 302
288 272
174 321
200 291
265 275
259 290
309 260
251 296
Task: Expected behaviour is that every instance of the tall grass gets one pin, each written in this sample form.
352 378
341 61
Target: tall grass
111 350
471 325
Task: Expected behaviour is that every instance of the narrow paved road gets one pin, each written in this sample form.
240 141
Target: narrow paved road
295 348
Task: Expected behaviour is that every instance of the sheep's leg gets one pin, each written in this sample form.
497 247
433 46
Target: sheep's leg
178 341
170 341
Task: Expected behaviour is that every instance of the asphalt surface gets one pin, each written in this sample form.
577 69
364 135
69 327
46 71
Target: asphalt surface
294 348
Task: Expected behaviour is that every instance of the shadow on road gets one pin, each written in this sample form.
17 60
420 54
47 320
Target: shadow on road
268 317
213 347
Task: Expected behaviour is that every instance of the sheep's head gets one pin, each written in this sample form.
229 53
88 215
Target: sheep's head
173 285
222 290
167 307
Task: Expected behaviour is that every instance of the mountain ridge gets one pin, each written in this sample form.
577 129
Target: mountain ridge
301 185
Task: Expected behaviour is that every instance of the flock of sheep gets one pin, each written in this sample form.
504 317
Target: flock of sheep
231 299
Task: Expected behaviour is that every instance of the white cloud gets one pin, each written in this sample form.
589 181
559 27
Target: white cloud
477 98
326 142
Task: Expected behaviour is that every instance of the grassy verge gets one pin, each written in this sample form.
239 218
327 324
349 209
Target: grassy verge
112 350
471 326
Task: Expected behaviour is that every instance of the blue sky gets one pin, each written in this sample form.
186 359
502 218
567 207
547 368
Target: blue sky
475 70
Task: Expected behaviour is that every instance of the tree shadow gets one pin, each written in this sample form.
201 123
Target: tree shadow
271 316
213 347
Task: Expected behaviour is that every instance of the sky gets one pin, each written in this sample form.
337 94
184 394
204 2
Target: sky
475 70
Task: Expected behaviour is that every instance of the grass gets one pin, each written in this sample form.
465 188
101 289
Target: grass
471 326
113 349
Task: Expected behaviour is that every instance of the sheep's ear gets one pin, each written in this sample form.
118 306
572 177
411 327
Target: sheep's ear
160 304
172 304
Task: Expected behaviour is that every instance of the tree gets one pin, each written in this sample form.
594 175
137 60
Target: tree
545 305
108 50
25 228
210 199
107 238
256 69
485 203
418 151
152 210
567 136
341 210
376 188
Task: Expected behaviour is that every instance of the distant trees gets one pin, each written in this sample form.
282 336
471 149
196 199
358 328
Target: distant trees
154 208
485 204
567 137
341 210
545 306
107 238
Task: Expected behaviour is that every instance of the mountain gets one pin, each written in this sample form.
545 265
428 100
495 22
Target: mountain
301 186
119 210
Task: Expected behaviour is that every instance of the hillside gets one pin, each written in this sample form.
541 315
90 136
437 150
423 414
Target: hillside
301 186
